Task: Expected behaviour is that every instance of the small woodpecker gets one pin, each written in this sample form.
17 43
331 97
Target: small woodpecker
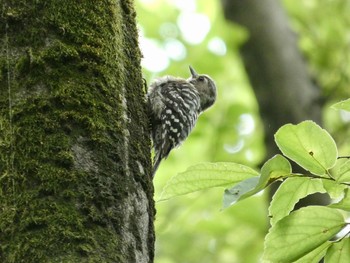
174 106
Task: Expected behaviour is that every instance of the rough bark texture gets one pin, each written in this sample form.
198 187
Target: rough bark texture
74 147
285 91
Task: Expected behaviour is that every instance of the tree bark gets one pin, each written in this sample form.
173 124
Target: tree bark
74 145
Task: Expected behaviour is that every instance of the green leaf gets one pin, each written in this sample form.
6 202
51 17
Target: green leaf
315 255
308 145
342 105
334 189
289 193
204 176
344 203
341 171
339 252
301 232
275 168
234 194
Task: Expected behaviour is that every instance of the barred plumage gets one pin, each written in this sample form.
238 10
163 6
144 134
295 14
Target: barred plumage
174 106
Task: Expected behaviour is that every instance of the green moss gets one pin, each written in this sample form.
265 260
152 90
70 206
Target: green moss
69 65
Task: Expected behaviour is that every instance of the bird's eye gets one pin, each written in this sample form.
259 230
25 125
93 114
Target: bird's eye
201 78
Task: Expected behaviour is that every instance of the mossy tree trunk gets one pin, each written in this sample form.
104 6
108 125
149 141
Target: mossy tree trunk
74 147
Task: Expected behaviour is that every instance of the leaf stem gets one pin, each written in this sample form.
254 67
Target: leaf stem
344 157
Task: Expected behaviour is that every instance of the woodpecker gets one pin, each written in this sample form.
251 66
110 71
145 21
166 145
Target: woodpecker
174 106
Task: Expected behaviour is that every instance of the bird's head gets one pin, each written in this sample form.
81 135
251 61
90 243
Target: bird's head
206 88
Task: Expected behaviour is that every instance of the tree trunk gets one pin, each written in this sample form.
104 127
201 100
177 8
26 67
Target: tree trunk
74 145
279 75
285 91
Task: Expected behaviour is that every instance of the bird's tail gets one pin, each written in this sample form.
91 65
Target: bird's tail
157 160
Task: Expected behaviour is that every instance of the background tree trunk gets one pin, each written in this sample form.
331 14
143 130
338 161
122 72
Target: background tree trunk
285 91
74 148
278 73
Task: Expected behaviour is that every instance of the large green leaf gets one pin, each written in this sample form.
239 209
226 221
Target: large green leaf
275 168
289 193
315 255
339 252
204 176
301 232
342 105
308 145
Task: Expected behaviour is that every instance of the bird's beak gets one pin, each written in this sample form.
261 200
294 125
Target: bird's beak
193 72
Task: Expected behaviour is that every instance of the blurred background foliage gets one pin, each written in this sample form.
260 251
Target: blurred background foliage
178 33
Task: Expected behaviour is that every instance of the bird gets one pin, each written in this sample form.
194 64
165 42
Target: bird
174 105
